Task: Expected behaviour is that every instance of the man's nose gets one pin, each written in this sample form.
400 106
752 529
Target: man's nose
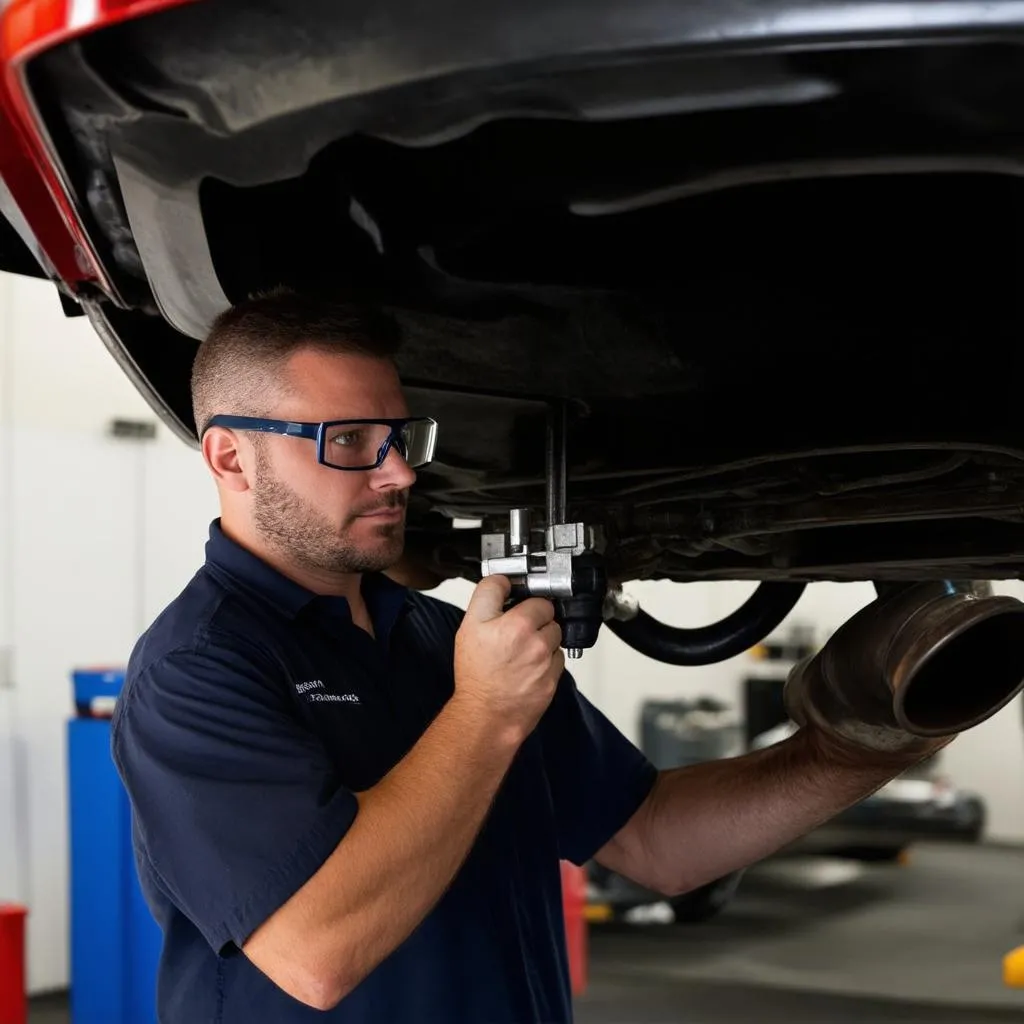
394 471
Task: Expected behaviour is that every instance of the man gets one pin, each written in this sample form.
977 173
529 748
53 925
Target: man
347 796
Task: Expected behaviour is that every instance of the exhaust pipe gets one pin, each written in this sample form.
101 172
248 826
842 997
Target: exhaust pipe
919 663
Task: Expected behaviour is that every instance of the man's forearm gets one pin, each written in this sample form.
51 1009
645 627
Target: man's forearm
409 839
703 821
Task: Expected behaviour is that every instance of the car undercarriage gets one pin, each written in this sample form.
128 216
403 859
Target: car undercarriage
768 255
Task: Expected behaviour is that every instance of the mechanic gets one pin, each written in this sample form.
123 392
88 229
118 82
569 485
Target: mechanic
347 795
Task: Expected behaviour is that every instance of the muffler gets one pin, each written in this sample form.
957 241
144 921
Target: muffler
919 663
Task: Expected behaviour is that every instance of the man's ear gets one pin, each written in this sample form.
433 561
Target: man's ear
222 453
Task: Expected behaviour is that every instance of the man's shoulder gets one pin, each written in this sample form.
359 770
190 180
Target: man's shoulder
205 616
207 644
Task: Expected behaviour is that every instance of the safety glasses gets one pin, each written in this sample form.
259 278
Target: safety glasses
350 444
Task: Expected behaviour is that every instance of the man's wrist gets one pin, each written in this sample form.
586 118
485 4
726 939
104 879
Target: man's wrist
477 724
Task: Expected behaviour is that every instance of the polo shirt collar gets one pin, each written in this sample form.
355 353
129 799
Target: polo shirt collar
384 598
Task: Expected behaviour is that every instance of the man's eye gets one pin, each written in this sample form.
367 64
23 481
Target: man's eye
348 439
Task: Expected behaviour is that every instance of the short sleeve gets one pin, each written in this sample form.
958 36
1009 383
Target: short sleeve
235 804
598 778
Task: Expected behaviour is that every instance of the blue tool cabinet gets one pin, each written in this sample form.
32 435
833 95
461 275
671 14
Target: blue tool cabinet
115 943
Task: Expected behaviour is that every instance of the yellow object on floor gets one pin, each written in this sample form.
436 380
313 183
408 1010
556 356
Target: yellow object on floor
1013 968
597 912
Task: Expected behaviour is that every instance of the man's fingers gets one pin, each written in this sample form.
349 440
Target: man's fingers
488 600
552 633
538 610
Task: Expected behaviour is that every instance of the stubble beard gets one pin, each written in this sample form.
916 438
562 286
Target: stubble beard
310 540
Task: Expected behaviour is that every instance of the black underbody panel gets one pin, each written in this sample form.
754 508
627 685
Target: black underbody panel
770 252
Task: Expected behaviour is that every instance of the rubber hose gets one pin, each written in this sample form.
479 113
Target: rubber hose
733 635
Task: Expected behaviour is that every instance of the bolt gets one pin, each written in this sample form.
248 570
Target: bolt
572 653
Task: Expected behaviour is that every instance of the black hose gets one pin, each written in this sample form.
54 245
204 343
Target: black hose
733 635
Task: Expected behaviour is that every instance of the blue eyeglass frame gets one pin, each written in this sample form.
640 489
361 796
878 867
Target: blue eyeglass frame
318 432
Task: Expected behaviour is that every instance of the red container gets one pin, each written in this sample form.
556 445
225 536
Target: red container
574 904
13 1002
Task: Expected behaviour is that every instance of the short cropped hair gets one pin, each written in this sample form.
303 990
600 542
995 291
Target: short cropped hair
238 364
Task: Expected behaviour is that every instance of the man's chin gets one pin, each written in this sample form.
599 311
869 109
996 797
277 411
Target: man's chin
387 532
382 555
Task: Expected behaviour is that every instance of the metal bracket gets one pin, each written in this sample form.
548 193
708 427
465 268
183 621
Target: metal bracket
540 573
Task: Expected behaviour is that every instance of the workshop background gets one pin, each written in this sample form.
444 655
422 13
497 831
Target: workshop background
99 531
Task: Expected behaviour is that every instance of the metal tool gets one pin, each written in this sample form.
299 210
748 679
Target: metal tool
567 569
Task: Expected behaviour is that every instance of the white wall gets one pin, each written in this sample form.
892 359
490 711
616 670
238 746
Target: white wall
101 533
10 884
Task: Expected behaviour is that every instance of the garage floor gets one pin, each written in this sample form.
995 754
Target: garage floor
816 940
812 941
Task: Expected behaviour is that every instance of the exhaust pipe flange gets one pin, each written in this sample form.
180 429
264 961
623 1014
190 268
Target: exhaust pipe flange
920 663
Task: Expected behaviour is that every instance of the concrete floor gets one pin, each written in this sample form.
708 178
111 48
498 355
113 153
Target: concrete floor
813 941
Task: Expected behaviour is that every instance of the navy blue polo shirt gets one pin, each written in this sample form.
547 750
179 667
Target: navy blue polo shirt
254 710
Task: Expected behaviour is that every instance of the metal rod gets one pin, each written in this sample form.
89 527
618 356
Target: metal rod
556 445
518 530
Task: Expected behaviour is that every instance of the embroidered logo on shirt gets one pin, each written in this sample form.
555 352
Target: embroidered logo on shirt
314 691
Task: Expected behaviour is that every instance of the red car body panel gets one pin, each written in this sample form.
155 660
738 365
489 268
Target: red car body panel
27 167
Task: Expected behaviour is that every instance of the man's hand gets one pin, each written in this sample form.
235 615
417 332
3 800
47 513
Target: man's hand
508 663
